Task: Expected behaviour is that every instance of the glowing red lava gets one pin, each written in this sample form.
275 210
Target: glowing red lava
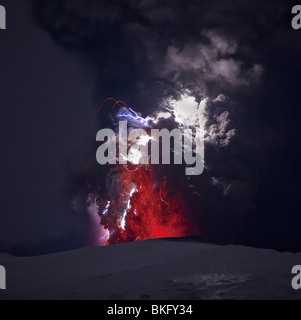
152 212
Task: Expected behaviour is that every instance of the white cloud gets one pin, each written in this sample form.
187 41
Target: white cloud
210 62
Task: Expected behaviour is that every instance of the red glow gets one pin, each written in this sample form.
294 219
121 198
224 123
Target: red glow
153 212
120 103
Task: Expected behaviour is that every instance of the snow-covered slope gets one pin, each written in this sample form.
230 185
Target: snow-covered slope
156 269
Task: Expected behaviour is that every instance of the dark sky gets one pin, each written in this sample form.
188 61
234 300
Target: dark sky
46 118
60 59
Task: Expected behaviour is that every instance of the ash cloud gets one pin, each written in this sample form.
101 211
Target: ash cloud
150 51
162 48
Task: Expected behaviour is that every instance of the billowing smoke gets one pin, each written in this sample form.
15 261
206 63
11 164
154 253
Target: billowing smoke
196 60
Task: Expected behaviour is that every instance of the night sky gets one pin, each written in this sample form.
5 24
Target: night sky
61 59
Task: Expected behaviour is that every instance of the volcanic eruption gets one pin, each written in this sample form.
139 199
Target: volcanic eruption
176 65
140 200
